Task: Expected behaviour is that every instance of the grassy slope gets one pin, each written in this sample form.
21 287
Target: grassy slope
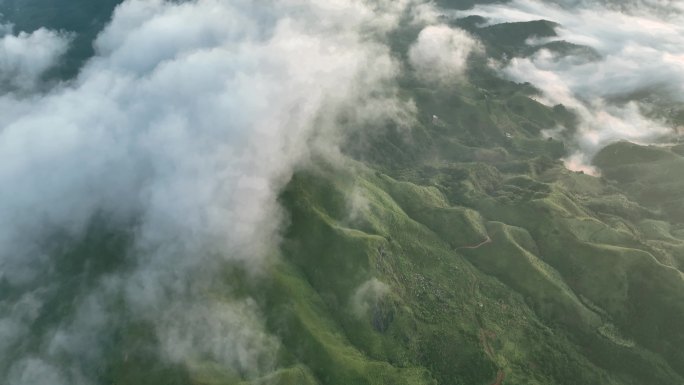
496 262
461 252
500 262
556 296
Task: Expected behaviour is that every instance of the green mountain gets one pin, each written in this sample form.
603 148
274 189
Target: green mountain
459 252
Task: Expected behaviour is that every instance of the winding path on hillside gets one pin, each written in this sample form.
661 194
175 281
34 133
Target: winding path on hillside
486 241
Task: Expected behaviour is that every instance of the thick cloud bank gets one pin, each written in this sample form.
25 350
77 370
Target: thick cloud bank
184 127
641 44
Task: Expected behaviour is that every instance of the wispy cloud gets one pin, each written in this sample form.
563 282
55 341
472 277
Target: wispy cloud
642 52
24 57
440 54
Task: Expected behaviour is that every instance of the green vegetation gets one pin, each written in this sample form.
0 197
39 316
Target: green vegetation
513 269
459 252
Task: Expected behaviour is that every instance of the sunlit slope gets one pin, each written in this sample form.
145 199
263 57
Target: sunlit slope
438 311
555 295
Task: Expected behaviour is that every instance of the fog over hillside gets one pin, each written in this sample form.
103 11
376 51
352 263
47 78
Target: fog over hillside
340 192
186 123
641 48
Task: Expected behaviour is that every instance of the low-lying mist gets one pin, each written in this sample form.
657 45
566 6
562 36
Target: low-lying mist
619 96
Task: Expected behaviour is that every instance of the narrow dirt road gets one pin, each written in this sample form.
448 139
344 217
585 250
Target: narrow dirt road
486 241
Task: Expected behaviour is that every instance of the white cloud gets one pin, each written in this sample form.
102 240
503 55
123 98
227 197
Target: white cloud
188 122
357 204
24 57
440 54
232 333
367 296
642 50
